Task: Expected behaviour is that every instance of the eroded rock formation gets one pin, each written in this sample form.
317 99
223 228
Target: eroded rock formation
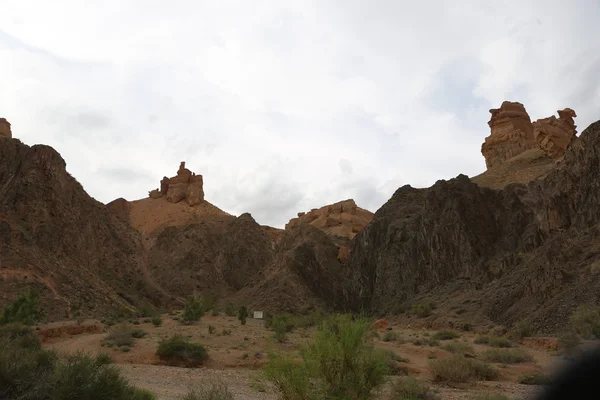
513 133
552 134
343 219
186 185
5 131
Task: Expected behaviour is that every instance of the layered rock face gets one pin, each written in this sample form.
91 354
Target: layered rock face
553 135
5 131
186 185
526 251
513 133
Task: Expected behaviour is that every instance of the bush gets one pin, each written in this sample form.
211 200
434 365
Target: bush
338 364
30 372
412 389
178 350
156 320
211 329
458 369
139 333
586 321
534 379
390 336
520 330
123 336
423 309
24 310
103 359
459 348
230 309
281 327
568 341
507 356
243 314
226 332
193 310
494 341
211 391
445 335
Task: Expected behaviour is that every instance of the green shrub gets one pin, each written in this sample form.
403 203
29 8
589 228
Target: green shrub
209 391
139 333
281 327
193 310
397 358
458 369
123 336
211 329
534 379
412 389
423 309
226 332
445 335
507 356
586 321
103 359
29 372
390 336
494 341
156 320
459 348
520 330
178 350
568 341
215 311
243 314
338 364
25 309
230 309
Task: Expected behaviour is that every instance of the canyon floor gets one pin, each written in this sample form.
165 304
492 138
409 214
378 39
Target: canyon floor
238 353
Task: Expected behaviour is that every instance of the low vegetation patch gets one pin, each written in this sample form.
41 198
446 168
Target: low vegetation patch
445 335
459 348
123 336
339 363
568 341
422 309
179 350
156 320
534 379
29 372
209 391
494 341
520 330
507 356
412 389
389 336
458 369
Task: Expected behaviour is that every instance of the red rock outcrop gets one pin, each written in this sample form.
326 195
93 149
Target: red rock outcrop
552 134
343 219
186 185
512 134
5 129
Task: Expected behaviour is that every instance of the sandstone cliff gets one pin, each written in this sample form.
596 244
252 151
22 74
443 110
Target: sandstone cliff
5 131
186 185
553 135
56 237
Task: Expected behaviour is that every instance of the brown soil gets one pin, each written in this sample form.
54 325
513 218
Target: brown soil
148 215
237 358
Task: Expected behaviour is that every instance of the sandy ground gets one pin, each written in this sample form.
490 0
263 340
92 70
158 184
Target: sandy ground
236 358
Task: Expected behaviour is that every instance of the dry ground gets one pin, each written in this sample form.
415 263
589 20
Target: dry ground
237 358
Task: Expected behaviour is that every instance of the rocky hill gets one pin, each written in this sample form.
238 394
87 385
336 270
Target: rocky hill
525 251
56 237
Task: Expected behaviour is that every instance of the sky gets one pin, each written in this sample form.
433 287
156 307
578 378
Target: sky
284 106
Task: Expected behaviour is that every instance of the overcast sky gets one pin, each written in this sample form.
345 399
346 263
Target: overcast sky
286 105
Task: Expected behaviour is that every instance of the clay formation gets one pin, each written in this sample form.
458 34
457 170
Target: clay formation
552 135
186 185
5 129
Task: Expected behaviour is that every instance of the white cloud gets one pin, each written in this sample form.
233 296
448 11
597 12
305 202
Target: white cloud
284 106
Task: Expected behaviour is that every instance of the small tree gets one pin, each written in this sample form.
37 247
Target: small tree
25 309
193 310
230 309
243 314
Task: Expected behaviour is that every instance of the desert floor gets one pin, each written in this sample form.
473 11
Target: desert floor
237 358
